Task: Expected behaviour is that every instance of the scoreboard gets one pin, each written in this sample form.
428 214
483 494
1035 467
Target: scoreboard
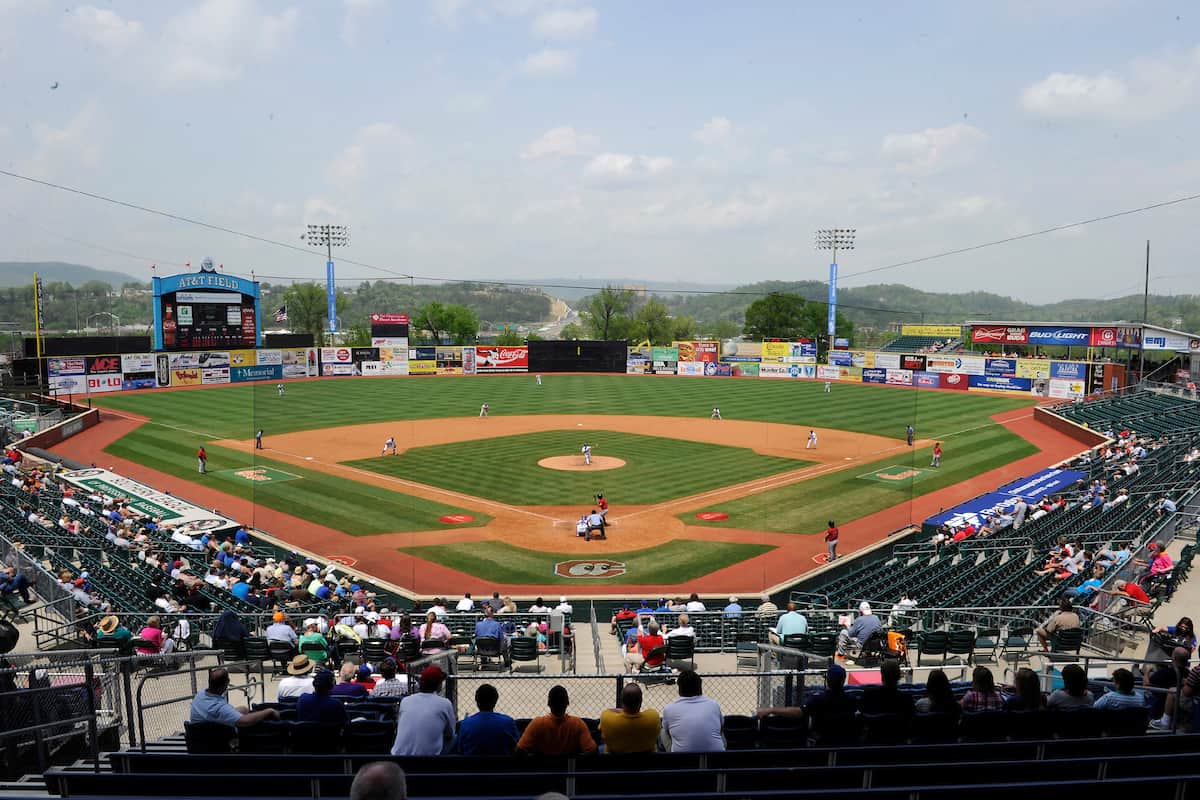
204 311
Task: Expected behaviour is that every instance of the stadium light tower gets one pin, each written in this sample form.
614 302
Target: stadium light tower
329 237
834 239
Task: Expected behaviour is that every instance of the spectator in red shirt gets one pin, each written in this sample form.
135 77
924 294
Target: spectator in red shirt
831 540
625 613
964 533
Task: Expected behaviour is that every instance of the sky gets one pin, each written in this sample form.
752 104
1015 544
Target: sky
666 141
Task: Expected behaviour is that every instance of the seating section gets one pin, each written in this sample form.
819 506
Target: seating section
922 344
1146 412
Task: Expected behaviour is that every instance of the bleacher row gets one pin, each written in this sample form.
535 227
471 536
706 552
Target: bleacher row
922 344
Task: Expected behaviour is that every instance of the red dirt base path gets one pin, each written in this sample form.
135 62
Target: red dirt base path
377 556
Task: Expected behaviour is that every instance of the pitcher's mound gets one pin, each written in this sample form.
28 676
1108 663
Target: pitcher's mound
575 463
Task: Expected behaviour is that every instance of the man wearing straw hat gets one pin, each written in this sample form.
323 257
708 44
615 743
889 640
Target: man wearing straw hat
299 680
111 628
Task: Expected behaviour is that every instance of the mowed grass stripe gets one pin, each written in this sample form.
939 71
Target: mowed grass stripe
843 496
506 469
673 562
345 505
237 411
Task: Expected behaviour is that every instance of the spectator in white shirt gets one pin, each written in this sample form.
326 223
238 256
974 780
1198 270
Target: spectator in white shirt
684 628
694 603
426 723
299 680
466 603
693 722
439 608
563 606
539 607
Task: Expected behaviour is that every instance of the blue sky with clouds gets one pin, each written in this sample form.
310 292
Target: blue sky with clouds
552 138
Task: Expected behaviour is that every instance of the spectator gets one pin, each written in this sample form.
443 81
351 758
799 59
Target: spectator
563 606
314 643
348 688
734 609
110 628
1170 677
939 697
766 608
557 733
1188 688
210 704
647 639
1130 598
1063 619
886 698
319 705
466 603
851 640
832 701
229 628
694 604
13 582
1074 693
1165 638
1122 695
1028 695
495 602
1084 591
629 729
299 679
624 614
539 607
280 631
433 630
392 684
379 780
486 733
426 723
693 722
490 628
982 696
153 634
683 628
792 622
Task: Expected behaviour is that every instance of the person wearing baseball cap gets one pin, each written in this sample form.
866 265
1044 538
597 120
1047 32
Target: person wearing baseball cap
319 705
426 725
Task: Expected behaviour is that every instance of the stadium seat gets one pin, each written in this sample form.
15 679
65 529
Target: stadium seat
265 737
208 737
741 732
523 649
369 736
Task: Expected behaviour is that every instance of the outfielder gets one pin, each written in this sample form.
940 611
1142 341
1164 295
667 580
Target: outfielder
827 385
716 413
587 454
483 410
279 388
812 440
539 380
390 444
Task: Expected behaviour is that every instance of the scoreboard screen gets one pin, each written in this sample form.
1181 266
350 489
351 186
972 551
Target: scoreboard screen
207 320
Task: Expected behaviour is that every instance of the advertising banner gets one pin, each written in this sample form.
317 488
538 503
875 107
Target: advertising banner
103 365
874 375
927 380
949 331
501 359
390 341
955 380
136 363
243 358
637 361
296 363
1060 336
337 355
744 370
914 363
899 377
175 513
691 368
100 382
422 354
337 369
271 372
1103 337
664 353
841 358
1000 367
270 358
1064 389
1033 368
1071 370
191 376
214 375
56 367
449 360
1040 484
1129 337
717 370
841 344
707 352
800 351
68 384
687 351
384 367
1161 340
830 373
137 380
743 350
972 365
999 334
850 373
389 319
993 383
887 360
468 361
941 363
862 359
421 366
975 510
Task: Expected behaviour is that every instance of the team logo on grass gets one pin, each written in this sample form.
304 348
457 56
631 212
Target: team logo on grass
589 568
260 474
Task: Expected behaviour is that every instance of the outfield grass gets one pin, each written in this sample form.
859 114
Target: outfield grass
345 505
237 411
674 562
506 469
843 496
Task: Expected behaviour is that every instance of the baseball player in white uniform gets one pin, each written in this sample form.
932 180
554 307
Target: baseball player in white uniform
812 440
827 385
539 380
483 410
587 454
390 444
716 413
279 388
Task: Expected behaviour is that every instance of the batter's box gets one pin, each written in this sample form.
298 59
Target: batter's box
898 475
260 474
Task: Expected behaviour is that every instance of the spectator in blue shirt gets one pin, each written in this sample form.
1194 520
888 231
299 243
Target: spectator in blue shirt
486 733
1084 591
324 592
663 605
645 608
489 626
734 609
241 537
1123 695
318 705
240 589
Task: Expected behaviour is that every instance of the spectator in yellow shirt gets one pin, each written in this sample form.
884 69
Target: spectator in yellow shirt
629 729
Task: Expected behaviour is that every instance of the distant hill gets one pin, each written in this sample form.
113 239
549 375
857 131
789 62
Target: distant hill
571 289
20 273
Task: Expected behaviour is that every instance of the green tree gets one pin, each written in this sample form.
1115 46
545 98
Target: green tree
306 309
357 335
723 329
606 314
447 321
776 316
683 328
570 331
652 321
509 338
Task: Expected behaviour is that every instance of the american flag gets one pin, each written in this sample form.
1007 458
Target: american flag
281 314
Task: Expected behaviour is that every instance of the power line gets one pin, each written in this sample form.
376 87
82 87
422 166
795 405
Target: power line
1020 236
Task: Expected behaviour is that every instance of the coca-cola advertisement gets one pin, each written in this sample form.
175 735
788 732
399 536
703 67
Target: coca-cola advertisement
501 359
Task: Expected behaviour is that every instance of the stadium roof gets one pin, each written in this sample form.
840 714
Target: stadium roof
1040 324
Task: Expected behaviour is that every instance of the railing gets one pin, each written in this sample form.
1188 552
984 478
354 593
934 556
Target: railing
252 687
596 649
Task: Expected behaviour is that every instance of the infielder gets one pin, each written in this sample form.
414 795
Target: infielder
587 454
279 388
258 440
908 433
483 410
390 444
812 440
716 414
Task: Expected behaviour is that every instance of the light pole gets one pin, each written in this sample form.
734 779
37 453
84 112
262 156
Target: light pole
834 239
329 236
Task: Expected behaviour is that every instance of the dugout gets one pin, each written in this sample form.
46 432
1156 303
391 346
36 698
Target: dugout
577 356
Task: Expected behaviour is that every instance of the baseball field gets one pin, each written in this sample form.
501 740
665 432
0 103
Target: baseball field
736 504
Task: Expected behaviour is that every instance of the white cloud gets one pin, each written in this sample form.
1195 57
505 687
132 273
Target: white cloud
214 41
549 63
932 148
717 131
689 209
561 141
104 27
1150 88
76 144
624 167
321 209
566 23
357 11
382 139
